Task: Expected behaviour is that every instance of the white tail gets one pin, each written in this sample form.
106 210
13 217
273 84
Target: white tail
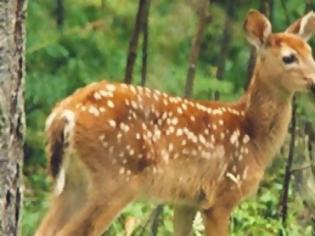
110 144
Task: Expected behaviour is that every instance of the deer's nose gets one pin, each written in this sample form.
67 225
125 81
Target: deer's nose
310 79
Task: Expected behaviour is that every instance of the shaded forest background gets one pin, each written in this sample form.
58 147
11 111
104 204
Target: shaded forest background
71 43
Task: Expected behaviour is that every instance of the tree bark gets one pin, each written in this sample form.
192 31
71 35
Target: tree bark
60 13
309 5
133 44
309 131
195 49
287 176
12 125
156 220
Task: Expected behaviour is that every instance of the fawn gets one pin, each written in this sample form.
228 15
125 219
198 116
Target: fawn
111 144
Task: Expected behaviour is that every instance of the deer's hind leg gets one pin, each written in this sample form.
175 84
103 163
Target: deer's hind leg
67 203
108 193
99 211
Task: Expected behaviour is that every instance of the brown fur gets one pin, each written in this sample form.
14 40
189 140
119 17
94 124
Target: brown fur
126 143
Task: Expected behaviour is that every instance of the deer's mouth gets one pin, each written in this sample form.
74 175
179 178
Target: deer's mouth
310 84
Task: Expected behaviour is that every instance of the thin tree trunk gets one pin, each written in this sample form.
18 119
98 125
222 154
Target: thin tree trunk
225 43
309 5
152 224
133 44
287 177
60 13
309 131
12 38
145 33
195 49
156 217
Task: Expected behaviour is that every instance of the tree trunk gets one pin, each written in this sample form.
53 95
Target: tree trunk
195 49
287 176
60 13
309 5
133 44
12 125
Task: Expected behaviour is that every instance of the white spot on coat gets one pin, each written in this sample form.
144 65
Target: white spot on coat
97 96
110 104
93 110
112 123
234 137
246 139
110 87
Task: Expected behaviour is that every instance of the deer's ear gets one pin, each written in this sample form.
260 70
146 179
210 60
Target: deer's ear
257 28
304 27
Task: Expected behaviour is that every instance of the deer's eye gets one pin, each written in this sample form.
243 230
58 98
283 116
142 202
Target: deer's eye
289 59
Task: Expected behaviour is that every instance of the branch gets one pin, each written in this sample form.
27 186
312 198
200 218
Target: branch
301 168
133 43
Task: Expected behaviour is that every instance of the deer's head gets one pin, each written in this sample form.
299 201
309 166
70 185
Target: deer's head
284 59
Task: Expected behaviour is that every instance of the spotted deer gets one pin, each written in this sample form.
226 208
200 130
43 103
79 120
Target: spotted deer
111 144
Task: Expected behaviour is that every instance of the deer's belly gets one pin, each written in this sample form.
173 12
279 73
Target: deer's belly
188 186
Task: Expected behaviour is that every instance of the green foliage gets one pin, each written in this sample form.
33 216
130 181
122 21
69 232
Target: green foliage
36 199
92 46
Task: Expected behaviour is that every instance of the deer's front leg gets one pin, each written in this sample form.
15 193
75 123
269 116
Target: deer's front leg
216 221
183 220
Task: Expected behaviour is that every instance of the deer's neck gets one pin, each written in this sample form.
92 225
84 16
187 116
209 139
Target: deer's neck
268 113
